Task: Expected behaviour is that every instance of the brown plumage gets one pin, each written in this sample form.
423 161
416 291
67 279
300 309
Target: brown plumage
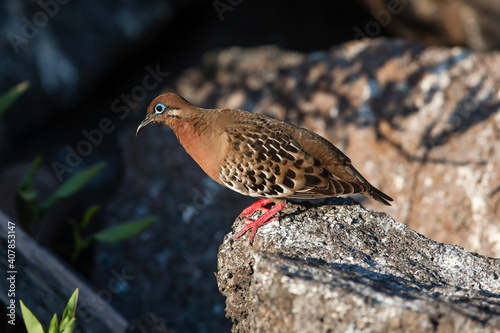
259 156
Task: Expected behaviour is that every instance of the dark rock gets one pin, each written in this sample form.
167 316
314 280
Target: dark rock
172 263
149 323
37 277
339 267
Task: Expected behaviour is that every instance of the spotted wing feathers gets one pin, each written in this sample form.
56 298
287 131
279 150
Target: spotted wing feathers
273 165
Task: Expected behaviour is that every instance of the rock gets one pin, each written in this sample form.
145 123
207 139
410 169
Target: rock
172 263
37 277
66 48
470 22
339 267
148 323
421 123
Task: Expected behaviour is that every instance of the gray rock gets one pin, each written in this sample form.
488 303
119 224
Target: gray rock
173 262
339 267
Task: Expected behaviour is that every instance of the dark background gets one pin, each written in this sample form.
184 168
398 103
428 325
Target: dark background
109 63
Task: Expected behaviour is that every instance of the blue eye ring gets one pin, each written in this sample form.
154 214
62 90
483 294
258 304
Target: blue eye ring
160 108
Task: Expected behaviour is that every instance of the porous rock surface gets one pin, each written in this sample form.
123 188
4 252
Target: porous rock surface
338 267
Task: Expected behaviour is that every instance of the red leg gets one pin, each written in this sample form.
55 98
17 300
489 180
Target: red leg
265 218
258 205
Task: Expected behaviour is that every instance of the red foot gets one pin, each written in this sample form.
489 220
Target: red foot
264 219
258 205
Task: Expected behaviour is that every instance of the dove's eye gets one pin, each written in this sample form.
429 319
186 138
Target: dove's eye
160 108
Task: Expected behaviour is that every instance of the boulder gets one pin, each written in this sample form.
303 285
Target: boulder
339 267
472 23
421 123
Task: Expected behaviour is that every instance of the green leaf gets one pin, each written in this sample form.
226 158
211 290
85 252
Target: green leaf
80 244
35 165
26 198
89 213
69 310
72 185
53 325
27 207
27 195
69 327
7 99
68 317
77 238
123 230
32 324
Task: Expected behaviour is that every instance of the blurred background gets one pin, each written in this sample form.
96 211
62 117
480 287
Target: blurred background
94 66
